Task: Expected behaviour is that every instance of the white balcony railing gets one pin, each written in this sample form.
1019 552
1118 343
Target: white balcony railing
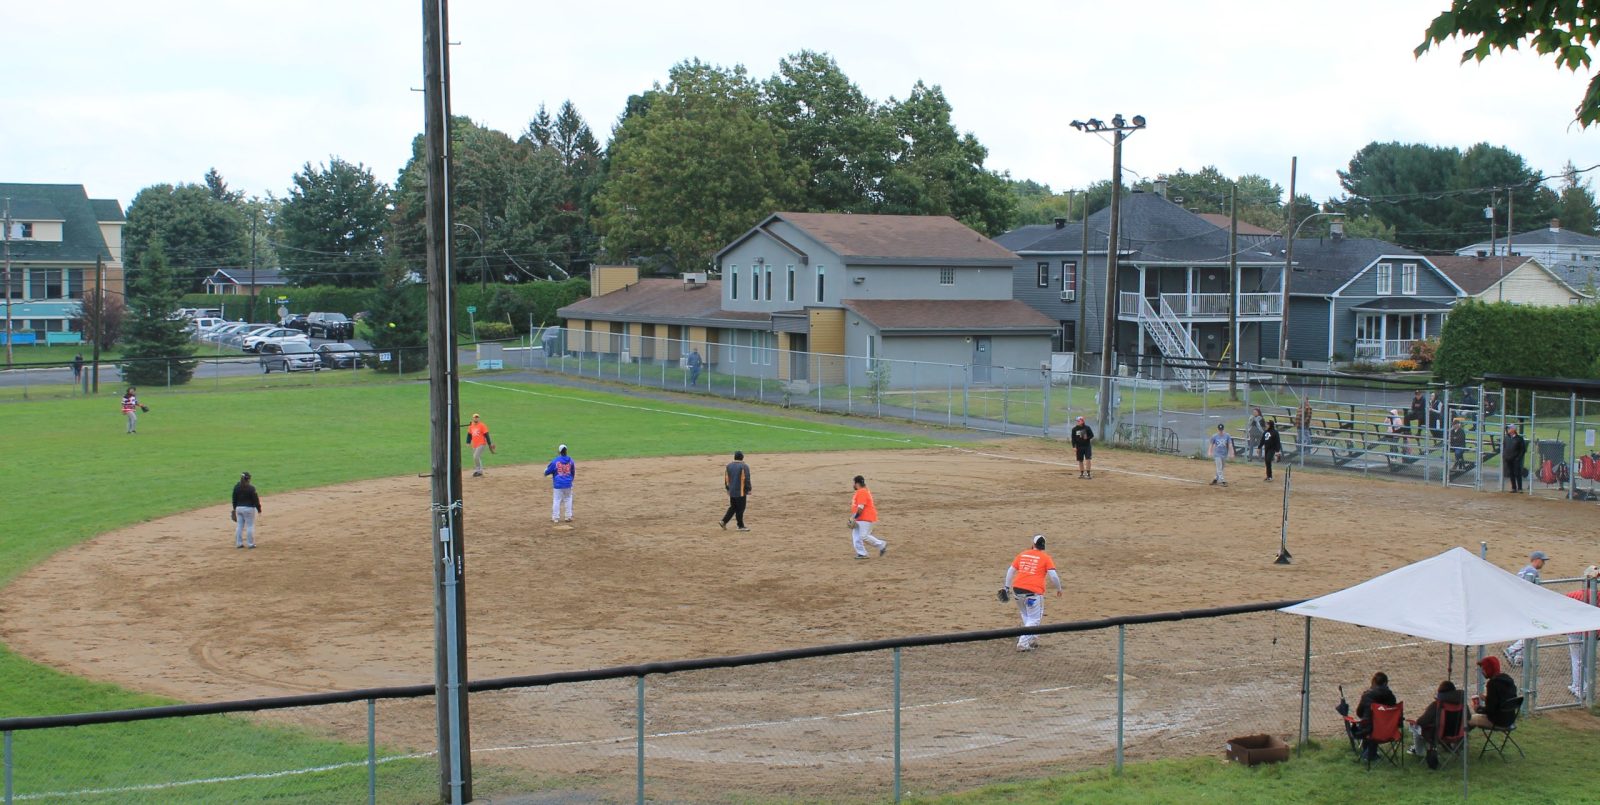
1208 305
1377 350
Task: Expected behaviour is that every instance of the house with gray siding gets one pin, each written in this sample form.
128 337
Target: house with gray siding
823 297
1362 299
1173 294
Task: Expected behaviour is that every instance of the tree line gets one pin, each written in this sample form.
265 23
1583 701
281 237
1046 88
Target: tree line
696 160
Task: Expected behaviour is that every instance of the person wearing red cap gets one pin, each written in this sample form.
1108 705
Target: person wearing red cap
1083 445
1500 688
1588 595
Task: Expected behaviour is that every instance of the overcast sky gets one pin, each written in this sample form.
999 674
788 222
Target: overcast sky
118 96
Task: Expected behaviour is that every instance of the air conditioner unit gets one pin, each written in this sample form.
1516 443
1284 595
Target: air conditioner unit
1068 296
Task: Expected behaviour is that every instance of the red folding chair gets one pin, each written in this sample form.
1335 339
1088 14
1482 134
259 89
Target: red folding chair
1449 731
1388 733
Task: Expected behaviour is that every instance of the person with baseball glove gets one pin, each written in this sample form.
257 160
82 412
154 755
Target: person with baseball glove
1025 581
246 505
478 438
131 408
863 516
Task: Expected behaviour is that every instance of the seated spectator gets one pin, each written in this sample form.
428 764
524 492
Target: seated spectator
1378 693
1426 728
1500 688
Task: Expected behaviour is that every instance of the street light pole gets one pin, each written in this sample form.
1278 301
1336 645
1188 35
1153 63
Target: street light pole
1120 130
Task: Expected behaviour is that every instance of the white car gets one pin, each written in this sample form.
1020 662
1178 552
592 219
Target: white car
220 332
275 335
203 325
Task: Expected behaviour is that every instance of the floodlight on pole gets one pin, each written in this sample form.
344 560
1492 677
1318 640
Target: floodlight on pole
1120 130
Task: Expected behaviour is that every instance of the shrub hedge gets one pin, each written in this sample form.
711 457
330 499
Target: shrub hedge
1481 338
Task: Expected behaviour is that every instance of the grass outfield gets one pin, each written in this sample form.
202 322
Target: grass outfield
71 473
1558 769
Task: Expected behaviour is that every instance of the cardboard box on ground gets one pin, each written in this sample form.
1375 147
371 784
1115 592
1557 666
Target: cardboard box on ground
1252 750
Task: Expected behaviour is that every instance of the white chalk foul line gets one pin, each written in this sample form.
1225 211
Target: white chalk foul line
1070 464
83 792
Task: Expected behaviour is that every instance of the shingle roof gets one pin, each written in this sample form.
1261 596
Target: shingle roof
989 315
1553 237
906 238
660 300
1152 229
1581 277
243 276
1478 274
81 240
1408 304
107 209
1322 265
1223 223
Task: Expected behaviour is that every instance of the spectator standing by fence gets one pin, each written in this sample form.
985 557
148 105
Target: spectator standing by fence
246 505
1271 447
1528 573
695 363
736 480
1458 444
1418 414
1220 448
562 471
1436 415
1516 450
77 367
1083 447
1254 431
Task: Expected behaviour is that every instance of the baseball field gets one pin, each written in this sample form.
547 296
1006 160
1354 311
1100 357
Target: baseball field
338 594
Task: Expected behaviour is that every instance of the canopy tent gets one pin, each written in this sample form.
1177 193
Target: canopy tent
1454 597
1458 598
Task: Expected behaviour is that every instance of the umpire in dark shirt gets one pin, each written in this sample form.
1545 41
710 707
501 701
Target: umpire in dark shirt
1516 450
736 479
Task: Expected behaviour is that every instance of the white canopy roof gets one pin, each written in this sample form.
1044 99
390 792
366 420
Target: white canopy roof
1454 597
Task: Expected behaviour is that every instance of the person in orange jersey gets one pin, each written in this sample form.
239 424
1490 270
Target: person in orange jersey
478 438
863 516
1026 579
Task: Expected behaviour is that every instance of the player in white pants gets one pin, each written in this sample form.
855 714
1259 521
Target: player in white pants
1025 579
863 516
562 472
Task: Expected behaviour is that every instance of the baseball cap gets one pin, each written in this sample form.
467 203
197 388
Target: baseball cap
1038 541
1080 419
245 476
1539 555
1592 572
1221 426
561 448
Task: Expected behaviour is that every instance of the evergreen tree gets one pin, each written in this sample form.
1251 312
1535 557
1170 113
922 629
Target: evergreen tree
399 320
150 336
1577 209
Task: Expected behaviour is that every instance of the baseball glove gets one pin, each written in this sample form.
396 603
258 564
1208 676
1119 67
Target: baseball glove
144 408
1004 595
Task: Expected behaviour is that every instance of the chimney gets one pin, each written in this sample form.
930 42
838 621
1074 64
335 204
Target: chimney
1161 187
1555 224
1061 223
1336 229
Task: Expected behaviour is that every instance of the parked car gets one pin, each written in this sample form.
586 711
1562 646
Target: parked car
275 335
293 321
288 356
339 356
203 325
336 326
219 334
237 337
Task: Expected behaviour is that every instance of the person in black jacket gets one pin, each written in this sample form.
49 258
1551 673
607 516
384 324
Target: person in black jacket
1516 449
1083 447
1499 689
1271 446
246 505
1378 693
1427 731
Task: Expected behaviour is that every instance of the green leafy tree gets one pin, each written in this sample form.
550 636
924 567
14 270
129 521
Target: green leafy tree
938 171
699 166
156 348
1038 204
1577 209
332 226
834 135
399 322
198 232
1565 28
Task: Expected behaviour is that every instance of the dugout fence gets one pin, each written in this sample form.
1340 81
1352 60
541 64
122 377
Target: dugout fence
854 722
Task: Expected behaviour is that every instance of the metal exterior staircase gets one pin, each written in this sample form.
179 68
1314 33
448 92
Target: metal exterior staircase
1174 342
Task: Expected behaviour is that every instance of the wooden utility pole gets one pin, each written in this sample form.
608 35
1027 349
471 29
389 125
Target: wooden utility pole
445 532
1288 268
6 222
99 317
254 289
1233 291
1077 293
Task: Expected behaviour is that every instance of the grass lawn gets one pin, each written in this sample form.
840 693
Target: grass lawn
1562 752
71 473
58 354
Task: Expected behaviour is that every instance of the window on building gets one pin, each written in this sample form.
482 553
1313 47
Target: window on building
1066 339
50 279
1408 278
769 283
74 283
872 353
770 350
755 283
822 275
790 296
733 282
14 287
1044 274
732 345
1385 274
947 276
21 230
1069 279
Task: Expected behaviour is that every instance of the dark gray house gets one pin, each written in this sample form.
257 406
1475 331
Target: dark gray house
1362 299
1173 296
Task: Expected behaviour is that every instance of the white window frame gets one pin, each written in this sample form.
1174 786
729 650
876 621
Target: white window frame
733 346
1384 272
1408 279
947 276
733 282
822 276
1069 276
1043 268
791 284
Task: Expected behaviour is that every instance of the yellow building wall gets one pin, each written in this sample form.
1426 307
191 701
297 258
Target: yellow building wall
605 279
47 231
577 335
783 355
827 338
635 340
1529 285
697 340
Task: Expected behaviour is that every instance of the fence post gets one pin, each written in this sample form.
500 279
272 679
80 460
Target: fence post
9 790
896 723
1572 451
1044 412
639 763
966 388
372 752
1122 678
849 388
1005 400
1305 689
916 391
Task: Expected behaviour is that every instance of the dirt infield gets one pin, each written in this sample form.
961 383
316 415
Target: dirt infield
338 595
